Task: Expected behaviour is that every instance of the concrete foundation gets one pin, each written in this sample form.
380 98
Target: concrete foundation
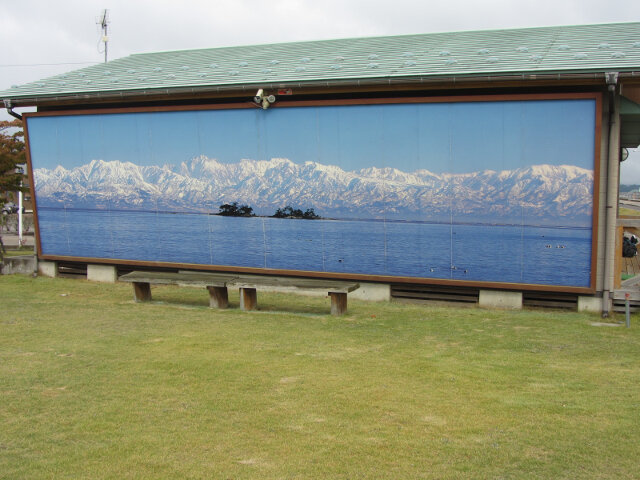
47 269
373 292
590 304
500 299
102 273
24 264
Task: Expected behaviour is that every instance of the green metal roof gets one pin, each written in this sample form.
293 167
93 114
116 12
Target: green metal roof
554 50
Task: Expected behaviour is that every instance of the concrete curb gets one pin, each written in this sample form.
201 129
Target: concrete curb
24 264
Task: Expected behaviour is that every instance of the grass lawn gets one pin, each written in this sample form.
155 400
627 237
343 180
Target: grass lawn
14 252
95 386
629 212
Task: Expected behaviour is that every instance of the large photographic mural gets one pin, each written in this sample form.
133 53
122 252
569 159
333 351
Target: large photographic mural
482 191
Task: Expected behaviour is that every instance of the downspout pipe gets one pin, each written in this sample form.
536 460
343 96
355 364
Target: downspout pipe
9 107
610 211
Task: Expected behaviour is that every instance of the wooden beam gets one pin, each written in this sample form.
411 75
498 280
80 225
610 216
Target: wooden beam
338 303
218 297
141 291
163 95
626 221
248 298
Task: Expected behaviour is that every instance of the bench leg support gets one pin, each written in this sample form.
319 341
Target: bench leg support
338 303
218 297
141 292
248 299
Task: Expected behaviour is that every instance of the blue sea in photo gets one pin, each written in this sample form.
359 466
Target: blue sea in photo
491 253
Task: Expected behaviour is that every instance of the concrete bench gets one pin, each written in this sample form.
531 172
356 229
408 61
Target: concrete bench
218 284
250 284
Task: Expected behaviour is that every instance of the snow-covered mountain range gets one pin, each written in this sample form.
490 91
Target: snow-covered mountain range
539 193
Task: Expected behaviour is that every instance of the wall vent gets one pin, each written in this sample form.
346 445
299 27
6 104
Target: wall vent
435 294
550 300
72 270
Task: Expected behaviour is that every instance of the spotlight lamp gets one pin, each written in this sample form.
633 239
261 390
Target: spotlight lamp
263 100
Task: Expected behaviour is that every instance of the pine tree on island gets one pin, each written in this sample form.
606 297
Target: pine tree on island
235 210
290 212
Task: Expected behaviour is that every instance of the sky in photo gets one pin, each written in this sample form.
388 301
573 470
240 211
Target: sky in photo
459 137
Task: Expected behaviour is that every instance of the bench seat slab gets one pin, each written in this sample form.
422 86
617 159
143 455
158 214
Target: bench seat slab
186 279
248 281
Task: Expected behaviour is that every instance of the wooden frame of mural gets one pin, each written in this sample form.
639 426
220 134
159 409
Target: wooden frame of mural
447 201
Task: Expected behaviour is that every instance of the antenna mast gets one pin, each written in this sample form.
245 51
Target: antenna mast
103 21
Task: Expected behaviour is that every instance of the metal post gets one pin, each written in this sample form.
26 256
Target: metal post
627 312
20 217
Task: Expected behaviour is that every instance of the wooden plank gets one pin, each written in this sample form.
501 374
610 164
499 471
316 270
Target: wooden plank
116 104
338 303
141 292
628 222
634 294
218 297
248 299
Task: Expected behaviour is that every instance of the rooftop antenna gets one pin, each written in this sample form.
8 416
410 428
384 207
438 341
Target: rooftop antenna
103 21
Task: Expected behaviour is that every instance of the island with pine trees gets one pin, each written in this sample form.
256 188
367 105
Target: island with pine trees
234 210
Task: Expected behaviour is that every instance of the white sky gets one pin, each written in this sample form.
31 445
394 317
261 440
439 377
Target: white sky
40 38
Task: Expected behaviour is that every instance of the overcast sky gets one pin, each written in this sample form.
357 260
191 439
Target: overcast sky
40 38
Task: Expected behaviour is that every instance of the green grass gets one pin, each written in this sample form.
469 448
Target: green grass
14 252
95 386
628 212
